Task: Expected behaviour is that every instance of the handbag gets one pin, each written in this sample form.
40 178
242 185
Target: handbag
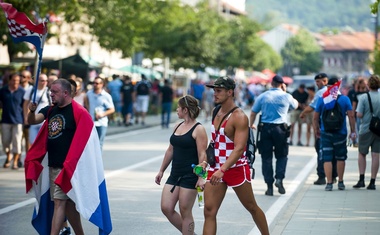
210 151
374 125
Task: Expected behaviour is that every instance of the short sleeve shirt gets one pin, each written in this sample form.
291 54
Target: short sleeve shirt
363 107
61 130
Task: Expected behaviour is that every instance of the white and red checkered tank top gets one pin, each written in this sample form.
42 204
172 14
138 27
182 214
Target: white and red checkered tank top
224 147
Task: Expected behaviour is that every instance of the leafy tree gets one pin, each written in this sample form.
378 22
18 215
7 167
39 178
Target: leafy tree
303 52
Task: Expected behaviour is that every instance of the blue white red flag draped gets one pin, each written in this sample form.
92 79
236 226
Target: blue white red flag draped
331 94
82 176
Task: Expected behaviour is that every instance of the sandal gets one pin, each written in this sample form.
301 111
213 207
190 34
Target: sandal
6 164
14 167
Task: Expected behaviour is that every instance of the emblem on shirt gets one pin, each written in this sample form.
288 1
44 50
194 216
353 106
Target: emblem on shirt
56 126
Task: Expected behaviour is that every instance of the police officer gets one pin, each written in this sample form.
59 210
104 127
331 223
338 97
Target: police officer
274 105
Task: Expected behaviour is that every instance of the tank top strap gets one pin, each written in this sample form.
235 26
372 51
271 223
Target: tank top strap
177 127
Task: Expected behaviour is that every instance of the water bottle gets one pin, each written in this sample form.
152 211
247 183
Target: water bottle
198 170
201 202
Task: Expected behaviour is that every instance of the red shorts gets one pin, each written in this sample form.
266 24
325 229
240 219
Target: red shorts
234 177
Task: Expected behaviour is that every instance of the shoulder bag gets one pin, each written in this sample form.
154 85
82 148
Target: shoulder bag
374 125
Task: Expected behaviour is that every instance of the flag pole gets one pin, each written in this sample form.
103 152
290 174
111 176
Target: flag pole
37 64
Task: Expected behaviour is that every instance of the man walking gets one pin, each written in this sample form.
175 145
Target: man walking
334 143
11 101
231 168
274 105
100 106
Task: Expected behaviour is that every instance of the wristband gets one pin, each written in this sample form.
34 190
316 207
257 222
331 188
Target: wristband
222 170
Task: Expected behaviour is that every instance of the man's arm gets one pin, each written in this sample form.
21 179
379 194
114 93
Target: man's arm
34 118
317 128
252 119
351 120
306 111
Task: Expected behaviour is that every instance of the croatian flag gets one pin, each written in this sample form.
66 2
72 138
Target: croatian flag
331 94
82 176
22 29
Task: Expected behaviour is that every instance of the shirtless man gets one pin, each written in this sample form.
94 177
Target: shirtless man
231 168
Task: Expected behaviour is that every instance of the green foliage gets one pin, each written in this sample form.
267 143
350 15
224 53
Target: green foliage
313 14
375 7
302 51
376 61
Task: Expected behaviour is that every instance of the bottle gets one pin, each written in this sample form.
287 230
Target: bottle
201 203
198 170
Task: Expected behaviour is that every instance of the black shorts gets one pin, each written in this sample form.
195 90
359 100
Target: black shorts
186 181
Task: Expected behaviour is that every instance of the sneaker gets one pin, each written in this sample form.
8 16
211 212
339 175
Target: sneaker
334 180
320 181
371 187
290 143
65 231
341 185
299 144
329 187
360 184
280 187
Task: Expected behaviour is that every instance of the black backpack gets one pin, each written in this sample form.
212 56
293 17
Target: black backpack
333 118
142 88
251 147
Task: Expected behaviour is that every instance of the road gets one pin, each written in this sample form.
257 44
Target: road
132 160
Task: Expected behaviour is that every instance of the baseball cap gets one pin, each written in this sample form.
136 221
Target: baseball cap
278 79
332 81
223 82
320 76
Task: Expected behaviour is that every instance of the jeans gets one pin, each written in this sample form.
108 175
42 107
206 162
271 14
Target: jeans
102 130
165 114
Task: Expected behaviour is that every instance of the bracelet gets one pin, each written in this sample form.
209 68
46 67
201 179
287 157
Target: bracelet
222 170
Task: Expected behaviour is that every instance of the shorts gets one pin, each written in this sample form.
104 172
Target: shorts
333 146
11 137
295 116
309 118
142 103
127 108
187 181
367 140
55 191
235 176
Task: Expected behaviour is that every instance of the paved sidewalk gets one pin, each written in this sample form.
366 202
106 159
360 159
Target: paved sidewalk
312 210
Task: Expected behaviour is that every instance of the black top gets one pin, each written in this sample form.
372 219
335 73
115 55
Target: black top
167 94
184 153
61 129
127 91
300 97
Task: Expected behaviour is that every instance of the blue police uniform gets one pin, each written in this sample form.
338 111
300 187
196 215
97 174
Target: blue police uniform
274 105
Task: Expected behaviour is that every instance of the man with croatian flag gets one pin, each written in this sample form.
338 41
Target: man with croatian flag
330 125
64 164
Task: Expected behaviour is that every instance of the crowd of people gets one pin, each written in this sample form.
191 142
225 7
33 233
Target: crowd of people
118 100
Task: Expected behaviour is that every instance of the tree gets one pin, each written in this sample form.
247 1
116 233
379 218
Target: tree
303 52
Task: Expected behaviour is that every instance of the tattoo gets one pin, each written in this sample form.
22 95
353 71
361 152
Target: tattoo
191 228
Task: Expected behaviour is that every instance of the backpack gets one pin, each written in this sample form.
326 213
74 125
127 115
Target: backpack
333 118
142 88
250 147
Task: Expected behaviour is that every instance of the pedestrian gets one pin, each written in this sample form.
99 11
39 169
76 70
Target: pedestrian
367 138
100 105
142 99
231 168
197 88
42 100
187 146
274 105
208 102
27 84
127 96
166 96
113 87
334 143
80 94
309 116
12 119
66 132
321 80
301 96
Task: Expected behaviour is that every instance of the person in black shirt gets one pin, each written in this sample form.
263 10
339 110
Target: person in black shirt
166 95
301 96
127 94
61 130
